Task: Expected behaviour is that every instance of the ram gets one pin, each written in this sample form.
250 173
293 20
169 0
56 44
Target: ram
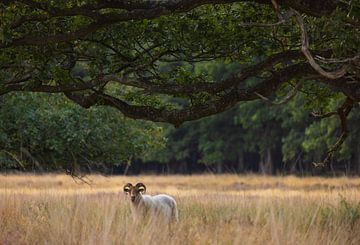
159 207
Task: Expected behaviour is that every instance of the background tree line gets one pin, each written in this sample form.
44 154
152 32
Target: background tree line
43 132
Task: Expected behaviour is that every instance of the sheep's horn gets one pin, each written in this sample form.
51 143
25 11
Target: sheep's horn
141 187
127 187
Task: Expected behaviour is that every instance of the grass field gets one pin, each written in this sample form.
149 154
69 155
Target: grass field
223 209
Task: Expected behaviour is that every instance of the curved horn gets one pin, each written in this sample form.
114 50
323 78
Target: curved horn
141 187
127 187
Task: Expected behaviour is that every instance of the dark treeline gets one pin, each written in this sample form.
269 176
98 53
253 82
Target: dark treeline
43 133
40 132
261 137
273 140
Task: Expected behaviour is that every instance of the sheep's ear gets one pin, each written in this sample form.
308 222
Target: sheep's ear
127 188
141 187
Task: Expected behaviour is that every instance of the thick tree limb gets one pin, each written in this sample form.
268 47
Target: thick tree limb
306 6
224 101
178 116
212 88
135 10
343 111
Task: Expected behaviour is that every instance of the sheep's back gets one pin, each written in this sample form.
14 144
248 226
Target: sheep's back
165 204
165 199
160 206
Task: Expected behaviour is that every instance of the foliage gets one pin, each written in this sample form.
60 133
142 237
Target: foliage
293 136
46 131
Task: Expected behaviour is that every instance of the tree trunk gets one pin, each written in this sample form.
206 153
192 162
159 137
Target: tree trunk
183 169
266 162
296 164
293 167
357 160
219 168
240 162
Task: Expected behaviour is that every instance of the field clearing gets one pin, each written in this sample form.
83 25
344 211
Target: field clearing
213 209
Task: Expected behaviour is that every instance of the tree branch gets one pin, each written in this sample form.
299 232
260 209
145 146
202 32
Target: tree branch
211 88
305 49
194 112
134 10
343 111
61 88
284 100
325 115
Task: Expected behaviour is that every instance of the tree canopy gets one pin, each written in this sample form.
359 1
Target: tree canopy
45 133
144 57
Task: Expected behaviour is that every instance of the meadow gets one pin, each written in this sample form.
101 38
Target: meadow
213 209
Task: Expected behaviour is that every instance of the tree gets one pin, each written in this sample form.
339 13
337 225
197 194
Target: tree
45 132
108 52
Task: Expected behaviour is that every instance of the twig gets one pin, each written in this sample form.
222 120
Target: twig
13 155
277 9
282 19
286 99
328 114
332 61
255 24
75 176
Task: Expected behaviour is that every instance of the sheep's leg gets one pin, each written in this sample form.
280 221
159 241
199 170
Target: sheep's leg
175 214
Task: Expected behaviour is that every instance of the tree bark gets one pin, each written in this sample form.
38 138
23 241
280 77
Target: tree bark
357 160
219 168
266 162
240 162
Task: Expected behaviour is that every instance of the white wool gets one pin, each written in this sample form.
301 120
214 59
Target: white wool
158 207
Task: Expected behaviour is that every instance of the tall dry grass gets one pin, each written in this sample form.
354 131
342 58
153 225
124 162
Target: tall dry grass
225 209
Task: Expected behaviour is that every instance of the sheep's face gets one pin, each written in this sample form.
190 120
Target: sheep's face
135 192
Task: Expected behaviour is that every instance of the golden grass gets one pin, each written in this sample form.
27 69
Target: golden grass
214 209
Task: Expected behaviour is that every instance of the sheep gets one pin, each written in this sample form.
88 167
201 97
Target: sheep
161 207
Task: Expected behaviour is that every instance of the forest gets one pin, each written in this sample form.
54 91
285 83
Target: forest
249 86
45 133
